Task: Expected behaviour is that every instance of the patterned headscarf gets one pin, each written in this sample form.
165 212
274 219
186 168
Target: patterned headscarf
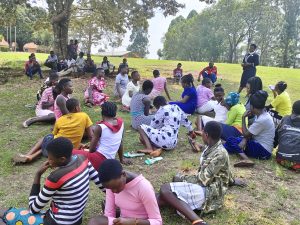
232 99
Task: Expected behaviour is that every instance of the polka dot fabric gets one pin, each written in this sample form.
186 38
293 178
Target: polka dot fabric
22 217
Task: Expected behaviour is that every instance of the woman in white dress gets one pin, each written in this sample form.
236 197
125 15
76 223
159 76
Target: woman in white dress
132 87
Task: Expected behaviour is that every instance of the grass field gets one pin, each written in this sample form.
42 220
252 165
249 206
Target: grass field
271 197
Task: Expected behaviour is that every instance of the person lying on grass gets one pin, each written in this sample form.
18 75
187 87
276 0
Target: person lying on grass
130 192
162 132
94 93
67 187
72 126
45 108
140 106
107 138
64 89
205 190
288 140
218 107
188 103
257 140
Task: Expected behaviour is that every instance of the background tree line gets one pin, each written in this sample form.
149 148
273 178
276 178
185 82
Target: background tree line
223 32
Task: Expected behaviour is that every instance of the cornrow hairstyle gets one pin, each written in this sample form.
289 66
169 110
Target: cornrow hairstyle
255 84
109 109
188 79
282 86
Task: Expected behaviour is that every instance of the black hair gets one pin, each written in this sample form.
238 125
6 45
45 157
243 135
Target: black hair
133 72
213 130
99 69
254 45
53 76
71 104
282 86
206 81
81 53
219 88
255 84
109 109
61 84
188 79
296 107
60 147
109 170
55 91
179 64
51 51
258 99
159 101
156 73
147 85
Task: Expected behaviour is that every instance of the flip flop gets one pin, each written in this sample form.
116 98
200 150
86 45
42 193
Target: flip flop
194 147
153 160
244 163
133 155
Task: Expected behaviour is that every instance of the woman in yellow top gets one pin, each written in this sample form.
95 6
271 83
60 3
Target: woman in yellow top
281 104
233 124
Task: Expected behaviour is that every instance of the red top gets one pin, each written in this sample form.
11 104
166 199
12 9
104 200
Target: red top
209 70
27 64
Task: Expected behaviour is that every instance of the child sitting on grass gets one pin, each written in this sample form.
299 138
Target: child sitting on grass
132 88
205 190
107 138
204 96
177 73
257 140
72 126
94 93
67 186
188 103
162 133
45 108
130 192
288 140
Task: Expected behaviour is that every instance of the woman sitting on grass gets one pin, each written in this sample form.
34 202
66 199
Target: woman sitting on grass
188 103
94 93
162 133
140 106
288 140
282 103
132 88
159 85
132 193
205 190
257 140
219 109
107 137
45 107
233 124
204 96
64 89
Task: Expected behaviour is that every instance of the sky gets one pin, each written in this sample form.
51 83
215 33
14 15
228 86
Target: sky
159 25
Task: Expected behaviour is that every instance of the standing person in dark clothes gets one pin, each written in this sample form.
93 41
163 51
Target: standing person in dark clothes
250 61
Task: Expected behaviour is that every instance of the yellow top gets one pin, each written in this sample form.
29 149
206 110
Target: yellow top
72 126
282 104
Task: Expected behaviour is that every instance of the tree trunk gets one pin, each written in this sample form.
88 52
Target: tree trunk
60 32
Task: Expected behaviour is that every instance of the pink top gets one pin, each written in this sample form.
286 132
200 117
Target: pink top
98 84
204 94
137 200
159 83
47 96
57 111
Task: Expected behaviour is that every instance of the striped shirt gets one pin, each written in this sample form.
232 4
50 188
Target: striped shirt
68 187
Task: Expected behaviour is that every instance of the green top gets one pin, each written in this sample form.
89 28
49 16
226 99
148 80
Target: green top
235 114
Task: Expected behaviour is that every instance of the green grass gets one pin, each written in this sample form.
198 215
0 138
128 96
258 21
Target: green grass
273 194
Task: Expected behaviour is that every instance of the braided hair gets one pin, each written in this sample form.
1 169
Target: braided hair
109 109
188 79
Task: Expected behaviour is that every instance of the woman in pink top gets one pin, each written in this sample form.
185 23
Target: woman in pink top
132 193
64 87
159 85
205 95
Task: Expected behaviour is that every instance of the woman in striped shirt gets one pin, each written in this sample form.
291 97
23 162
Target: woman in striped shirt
67 186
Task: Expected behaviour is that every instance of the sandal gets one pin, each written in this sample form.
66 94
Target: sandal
152 161
244 163
25 125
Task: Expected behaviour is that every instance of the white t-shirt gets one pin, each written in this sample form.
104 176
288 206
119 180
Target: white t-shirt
122 80
263 131
221 112
70 62
109 142
126 99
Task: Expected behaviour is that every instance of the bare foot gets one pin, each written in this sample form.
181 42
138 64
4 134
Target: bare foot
146 151
19 158
27 123
156 152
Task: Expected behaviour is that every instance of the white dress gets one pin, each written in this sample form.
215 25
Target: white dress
126 99
164 127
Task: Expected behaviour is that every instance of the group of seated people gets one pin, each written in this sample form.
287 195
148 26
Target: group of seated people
225 125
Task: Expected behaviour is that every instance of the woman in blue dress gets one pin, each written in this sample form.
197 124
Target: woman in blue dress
188 103
250 61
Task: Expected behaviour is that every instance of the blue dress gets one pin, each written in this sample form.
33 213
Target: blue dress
190 106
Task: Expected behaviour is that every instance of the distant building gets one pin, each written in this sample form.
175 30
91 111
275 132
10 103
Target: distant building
30 47
124 54
4 46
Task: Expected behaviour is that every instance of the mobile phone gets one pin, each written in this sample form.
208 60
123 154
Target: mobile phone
272 87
